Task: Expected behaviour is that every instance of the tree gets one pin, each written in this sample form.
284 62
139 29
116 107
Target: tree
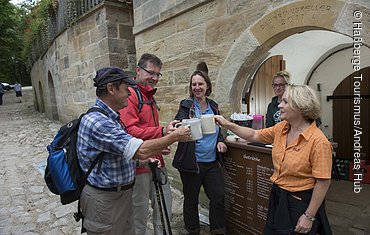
12 67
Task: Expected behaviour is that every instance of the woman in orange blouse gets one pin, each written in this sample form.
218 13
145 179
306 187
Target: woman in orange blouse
302 159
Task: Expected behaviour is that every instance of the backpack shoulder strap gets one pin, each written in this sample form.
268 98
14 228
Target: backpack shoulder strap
96 109
93 164
156 105
140 99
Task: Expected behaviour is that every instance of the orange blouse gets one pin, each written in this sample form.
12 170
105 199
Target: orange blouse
296 166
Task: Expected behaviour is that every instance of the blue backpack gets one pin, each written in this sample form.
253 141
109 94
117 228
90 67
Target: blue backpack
63 174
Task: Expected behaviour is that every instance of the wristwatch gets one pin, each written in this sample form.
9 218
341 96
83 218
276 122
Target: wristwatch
311 218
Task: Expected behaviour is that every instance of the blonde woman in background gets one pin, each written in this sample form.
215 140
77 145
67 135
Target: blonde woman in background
279 82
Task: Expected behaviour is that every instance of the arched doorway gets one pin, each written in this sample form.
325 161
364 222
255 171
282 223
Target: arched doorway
53 100
260 93
309 65
42 104
348 110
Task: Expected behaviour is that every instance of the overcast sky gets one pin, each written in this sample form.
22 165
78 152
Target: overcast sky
15 2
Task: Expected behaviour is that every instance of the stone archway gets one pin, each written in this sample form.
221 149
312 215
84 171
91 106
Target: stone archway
42 103
35 102
252 46
53 100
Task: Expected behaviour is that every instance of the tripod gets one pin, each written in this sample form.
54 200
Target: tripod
156 174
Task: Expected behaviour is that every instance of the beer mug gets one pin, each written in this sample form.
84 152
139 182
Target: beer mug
208 124
195 127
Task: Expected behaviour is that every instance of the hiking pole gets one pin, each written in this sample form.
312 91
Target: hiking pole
156 174
165 208
153 167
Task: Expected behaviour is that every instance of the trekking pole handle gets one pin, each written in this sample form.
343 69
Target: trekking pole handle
156 172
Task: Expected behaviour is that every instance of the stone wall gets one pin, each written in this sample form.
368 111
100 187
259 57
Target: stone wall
102 37
233 37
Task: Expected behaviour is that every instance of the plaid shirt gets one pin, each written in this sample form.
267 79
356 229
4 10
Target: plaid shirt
97 134
298 165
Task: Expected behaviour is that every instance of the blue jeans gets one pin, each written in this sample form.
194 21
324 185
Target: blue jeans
211 177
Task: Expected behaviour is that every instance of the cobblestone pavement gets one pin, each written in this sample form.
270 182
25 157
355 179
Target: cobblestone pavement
26 204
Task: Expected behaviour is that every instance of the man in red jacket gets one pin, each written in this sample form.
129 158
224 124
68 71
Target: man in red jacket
141 120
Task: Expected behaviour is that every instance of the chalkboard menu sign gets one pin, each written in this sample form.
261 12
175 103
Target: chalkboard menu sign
247 186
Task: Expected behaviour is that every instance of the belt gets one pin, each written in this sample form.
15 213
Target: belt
117 188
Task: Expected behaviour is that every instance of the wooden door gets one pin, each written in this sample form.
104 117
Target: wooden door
261 91
345 113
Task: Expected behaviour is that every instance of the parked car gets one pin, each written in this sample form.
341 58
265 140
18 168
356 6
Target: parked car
7 86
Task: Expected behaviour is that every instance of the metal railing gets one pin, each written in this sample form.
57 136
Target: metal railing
65 13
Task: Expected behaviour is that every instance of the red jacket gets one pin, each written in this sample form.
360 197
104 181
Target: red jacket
143 125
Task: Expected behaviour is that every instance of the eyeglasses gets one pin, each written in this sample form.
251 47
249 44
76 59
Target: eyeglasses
282 85
152 73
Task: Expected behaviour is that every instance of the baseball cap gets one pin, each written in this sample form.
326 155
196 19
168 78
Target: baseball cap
111 74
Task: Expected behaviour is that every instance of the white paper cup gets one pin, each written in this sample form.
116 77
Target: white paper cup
208 124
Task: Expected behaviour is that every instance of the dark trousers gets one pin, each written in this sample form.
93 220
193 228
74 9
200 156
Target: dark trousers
286 207
1 98
211 177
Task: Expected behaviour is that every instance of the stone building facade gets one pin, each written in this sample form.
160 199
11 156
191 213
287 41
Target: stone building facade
233 37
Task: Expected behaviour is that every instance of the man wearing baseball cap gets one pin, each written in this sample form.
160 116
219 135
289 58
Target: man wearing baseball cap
106 200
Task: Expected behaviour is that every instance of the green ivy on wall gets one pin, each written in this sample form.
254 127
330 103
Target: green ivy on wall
38 18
